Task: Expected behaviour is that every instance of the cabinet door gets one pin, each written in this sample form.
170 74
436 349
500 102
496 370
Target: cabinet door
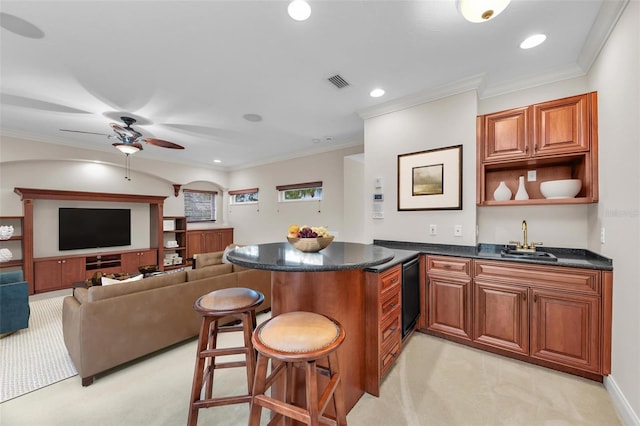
131 261
194 243
561 126
506 135
47 275
501 316
449 305
565 329
73 269
211 241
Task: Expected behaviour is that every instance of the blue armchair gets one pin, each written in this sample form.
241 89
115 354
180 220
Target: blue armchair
14 302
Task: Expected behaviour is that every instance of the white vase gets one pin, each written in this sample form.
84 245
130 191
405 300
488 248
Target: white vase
502 192
522 191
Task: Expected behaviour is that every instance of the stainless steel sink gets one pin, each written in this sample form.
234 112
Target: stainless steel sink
536 255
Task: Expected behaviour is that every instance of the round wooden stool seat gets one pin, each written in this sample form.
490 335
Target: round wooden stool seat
240 304
296 334
298 339
227 301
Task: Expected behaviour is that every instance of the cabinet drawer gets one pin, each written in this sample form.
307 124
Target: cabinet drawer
390 329
540 276
390 304
448 265
389 356
390 281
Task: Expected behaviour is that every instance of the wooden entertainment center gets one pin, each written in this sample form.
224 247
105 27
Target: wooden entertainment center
52 273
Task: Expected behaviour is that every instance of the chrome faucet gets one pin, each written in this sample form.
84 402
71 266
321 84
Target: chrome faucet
525 246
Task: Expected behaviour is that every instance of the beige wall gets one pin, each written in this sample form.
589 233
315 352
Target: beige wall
615 75
268 220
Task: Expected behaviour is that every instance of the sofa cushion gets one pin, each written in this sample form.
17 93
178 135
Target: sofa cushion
96 293
209 271
208 259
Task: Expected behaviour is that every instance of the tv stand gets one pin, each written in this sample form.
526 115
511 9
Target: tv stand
74 264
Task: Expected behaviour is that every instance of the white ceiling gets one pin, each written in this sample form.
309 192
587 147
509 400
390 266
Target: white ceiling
190 70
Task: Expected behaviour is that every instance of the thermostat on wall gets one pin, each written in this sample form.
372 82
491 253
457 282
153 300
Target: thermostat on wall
378 197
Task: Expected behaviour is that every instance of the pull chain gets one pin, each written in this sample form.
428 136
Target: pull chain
127 165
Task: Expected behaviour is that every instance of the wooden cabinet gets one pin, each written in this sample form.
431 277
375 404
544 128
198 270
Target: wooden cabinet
208 240
131 260
175 232
383 326
58 273
547 313
556 139
448 301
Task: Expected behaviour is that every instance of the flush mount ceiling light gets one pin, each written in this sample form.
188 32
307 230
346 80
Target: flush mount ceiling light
376 93
533 41
481 10
299 10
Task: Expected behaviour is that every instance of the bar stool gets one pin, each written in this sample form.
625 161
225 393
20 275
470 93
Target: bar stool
298 339
241 304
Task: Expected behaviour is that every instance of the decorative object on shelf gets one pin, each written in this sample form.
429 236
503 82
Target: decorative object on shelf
502 192
310 245
5 255
563 188
147 269
6 232
96 279
430 180
171 244
522 193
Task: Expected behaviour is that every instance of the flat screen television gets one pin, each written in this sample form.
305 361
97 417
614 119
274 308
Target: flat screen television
80 228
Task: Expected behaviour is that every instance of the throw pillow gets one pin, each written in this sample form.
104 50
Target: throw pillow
109 281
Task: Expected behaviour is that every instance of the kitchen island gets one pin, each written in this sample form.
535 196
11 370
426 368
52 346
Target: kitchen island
330 282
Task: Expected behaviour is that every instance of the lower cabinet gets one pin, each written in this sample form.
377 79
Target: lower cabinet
448 300
559 317
547 313
57 273
208 240
383 331
131 260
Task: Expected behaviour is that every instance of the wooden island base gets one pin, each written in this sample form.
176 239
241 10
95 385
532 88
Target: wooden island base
339 295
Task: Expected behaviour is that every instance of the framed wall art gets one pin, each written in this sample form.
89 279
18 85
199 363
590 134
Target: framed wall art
430 180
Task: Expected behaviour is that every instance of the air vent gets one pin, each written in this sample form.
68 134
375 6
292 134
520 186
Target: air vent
338 81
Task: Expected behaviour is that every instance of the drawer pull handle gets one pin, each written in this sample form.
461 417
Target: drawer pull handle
394 280
535 298
393 305
524 296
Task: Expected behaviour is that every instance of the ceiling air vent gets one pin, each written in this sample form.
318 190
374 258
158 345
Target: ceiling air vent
338 81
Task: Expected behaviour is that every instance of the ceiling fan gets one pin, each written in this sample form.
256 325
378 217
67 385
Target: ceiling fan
129 138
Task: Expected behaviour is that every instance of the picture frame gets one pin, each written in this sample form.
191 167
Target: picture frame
430 180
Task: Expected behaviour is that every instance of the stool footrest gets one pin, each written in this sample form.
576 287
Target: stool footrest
223 352
230 328
223 400
231 364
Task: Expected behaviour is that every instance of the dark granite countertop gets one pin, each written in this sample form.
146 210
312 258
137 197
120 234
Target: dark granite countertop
401 256
283 257
568 257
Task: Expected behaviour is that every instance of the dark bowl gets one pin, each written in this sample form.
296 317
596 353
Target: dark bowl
147 269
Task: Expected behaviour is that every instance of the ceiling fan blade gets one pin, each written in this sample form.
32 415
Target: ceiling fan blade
162 144
80 131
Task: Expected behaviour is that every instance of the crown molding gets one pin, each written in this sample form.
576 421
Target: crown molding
605 22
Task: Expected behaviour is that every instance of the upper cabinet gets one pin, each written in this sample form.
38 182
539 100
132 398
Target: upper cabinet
548 141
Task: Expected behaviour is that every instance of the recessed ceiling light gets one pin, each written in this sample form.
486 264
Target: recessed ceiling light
254 118
217 161
299 10
533 41
376 93
315 140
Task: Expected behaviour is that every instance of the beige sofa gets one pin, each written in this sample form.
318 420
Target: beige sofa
106 326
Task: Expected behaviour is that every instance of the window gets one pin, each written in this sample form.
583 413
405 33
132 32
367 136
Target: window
200 206
310 191
244 196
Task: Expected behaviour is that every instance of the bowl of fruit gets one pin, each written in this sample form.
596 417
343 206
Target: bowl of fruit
309 239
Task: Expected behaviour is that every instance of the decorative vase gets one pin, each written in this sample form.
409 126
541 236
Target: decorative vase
5 255
6 232
522 191
502 192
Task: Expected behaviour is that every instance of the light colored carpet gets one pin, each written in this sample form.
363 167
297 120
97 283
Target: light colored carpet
35 357
434 382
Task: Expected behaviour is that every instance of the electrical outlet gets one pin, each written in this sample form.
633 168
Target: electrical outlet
602 235
433 230
457 231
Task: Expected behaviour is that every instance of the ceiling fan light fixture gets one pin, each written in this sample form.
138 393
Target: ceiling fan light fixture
299 10
481 10
126 148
